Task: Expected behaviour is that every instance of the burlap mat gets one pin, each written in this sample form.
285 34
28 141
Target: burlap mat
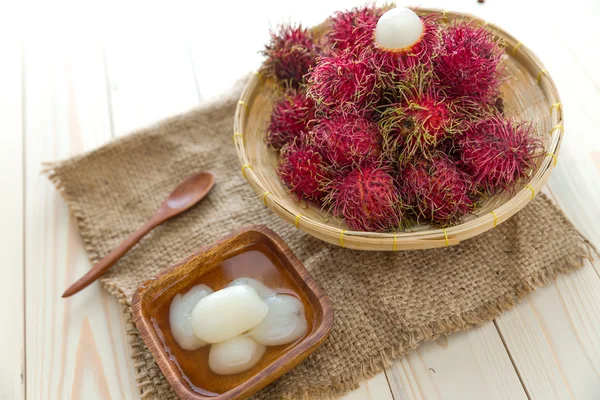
385 303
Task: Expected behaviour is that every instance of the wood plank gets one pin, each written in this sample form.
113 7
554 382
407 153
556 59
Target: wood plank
76 347
12 363
554 338
464 365
376 388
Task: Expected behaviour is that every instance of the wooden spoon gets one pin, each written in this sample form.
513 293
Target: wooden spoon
188 193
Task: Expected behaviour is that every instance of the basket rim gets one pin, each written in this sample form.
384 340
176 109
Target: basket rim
433 237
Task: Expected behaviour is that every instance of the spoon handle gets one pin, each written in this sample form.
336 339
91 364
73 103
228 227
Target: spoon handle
111 258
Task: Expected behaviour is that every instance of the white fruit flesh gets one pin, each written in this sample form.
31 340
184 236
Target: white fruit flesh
398 28
235 355
262 290
285 322
227 313
180 317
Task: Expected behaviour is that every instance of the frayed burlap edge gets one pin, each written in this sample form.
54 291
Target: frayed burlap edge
147 371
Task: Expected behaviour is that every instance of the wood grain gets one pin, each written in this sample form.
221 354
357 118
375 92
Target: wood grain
554 337
376 388
66 113
204 267
465 365
12 363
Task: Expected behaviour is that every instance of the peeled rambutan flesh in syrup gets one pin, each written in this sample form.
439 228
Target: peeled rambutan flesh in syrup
499 152
290 54
348 139
395 65
435 190
417 125
344 82
353 28
292 117
367 199
303 170
469 62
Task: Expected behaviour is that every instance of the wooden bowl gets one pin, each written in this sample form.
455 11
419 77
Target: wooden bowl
255 252
529 94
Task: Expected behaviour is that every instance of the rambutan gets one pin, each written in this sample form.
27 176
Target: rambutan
366 198
435 190
345 82
303 170
290 54
396 65
419 122
469 62
499 152
347 139
293 115
353 28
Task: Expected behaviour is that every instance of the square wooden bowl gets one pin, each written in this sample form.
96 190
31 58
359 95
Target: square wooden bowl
237 254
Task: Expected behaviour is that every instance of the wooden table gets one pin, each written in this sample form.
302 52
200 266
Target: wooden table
72 79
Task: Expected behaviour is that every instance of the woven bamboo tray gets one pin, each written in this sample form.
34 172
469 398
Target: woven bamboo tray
529 94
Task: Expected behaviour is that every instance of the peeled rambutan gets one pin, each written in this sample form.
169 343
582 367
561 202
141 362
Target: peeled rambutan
419 122
353 28
398 64
435 190
293 115
303 170
347 139
469 62
499 152
290 54
366 197
345 82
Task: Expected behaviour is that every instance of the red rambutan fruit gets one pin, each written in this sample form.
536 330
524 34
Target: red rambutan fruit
435 190
398 64
303 170
419 122
290 54
499 152
347 139
345 82
367 198
469 62
293 115
353 28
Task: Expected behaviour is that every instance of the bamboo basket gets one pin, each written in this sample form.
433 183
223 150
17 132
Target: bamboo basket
529 94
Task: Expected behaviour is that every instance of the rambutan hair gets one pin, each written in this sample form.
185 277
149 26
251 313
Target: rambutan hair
304 171
353 28
420 120
347 139
292 117
367 198
435 190
345 82
290 54
397 65
499 153
469 62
